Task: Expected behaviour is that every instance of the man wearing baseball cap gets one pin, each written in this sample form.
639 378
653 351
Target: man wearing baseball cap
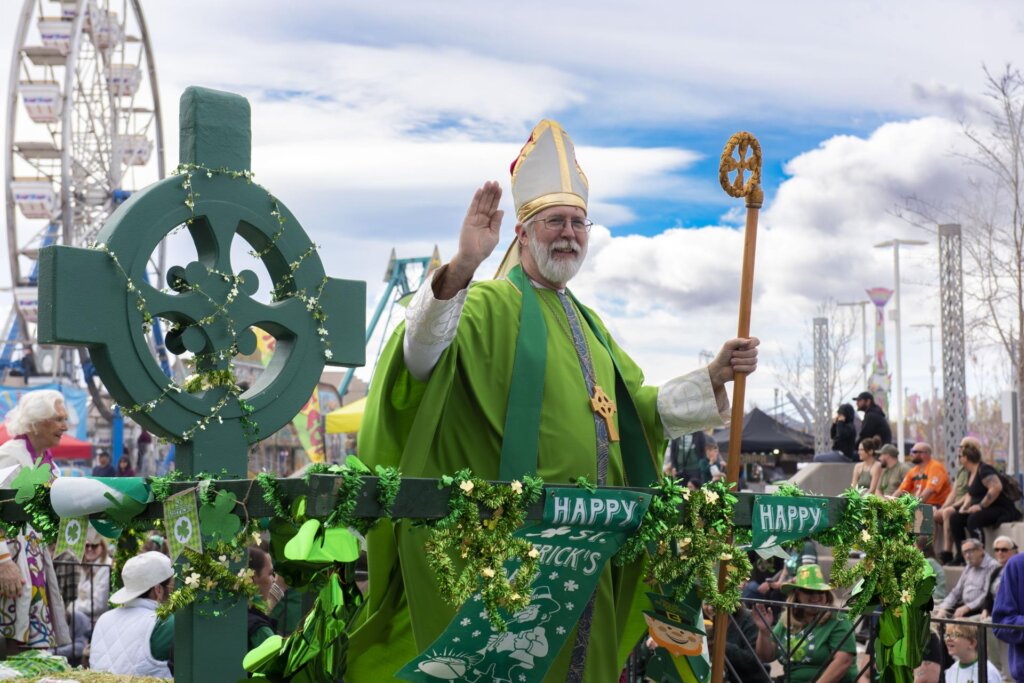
874 423
131 640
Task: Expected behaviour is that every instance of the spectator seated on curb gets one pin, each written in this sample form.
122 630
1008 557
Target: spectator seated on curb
893 471
131 640
957 496
987 505
969 594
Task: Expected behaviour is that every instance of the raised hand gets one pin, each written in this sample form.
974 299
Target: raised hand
480 229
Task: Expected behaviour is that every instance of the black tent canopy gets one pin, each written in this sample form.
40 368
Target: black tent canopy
763 434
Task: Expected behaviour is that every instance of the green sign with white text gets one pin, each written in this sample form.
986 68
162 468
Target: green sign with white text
580 532
781 519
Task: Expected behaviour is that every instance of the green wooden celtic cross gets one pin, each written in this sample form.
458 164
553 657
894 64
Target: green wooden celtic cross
99 298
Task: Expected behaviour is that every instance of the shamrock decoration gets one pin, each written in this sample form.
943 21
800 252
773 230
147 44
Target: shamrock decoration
216 519
183 530
73 532
28 479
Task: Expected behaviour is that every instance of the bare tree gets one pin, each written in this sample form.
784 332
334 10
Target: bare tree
995 247
796 368
990 210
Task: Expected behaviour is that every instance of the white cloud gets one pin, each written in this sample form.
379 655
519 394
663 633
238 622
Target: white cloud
375 121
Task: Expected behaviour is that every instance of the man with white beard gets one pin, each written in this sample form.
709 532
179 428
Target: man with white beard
513 376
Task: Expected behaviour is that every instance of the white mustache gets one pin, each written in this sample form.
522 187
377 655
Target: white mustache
564 244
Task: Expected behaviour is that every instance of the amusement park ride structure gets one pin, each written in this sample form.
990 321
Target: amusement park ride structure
83 132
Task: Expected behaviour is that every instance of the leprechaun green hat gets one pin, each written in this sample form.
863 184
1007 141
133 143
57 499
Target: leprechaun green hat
808 578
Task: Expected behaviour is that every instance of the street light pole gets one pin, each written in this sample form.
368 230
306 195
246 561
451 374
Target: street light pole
931 371
865 359
895 244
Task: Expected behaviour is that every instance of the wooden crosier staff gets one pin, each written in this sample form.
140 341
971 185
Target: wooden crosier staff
741 143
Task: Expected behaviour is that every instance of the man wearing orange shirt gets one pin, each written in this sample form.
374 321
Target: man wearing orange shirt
927 480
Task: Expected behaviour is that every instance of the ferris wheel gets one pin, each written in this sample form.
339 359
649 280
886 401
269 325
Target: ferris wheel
83 132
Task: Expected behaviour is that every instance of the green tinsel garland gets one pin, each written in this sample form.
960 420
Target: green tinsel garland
272 495
481 547
687 548
882 528
206 577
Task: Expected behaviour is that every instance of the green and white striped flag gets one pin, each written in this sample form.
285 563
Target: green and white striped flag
181 520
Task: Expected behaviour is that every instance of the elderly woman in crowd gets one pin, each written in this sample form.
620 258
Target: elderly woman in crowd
817 647
31 606
986 504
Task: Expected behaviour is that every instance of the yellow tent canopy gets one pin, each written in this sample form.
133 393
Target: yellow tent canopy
346 418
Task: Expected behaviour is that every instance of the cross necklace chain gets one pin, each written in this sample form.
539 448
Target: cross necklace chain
600 403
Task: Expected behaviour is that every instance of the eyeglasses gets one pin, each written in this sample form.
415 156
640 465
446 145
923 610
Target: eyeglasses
556 223
92 545
1003 550
918 452
974 549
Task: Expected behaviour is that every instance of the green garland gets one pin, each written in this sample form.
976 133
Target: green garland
43 519
481 547
883 529
685 550
207 577
272 495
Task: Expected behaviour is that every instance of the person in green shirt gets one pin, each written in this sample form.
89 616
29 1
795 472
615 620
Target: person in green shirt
811 646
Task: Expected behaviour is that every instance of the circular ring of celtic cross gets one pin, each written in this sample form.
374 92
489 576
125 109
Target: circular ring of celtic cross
740 144
211 308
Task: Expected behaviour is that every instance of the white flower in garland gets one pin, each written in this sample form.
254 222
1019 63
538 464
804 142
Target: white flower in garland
487 572
193 580
466 486
711 497
517 487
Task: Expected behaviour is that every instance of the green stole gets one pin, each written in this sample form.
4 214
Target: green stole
522 419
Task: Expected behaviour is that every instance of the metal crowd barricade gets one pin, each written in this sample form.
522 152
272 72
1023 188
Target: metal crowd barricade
634 672
70 574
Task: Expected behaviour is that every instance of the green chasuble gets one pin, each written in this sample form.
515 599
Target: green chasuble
456 420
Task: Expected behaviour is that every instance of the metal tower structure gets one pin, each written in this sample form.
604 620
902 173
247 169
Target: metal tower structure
396 293
822 440
878 385
954 385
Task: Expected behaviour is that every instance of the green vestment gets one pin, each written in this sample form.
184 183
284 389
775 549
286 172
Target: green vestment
456 420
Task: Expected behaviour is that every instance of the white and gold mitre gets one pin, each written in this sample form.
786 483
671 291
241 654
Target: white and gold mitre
546 173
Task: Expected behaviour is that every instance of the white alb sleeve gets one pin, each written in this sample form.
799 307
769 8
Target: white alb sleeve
430 326
687 404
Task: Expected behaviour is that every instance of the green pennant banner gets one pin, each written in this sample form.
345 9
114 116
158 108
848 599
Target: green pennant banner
181 520
781 519
71 536
581 530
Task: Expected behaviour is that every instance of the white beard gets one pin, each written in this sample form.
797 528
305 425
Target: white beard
557 270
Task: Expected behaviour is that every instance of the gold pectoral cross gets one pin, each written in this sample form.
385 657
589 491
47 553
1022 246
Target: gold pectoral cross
605 407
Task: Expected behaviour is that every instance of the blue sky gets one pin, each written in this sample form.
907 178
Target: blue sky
374 123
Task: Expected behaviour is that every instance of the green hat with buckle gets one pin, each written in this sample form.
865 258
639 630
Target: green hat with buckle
808 578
